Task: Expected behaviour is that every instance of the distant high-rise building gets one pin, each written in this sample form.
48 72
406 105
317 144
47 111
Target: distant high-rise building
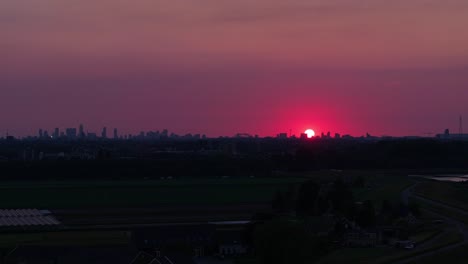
41 134
56 133
116 135
282 135
104 132
82 133
91 135
71 133
46 134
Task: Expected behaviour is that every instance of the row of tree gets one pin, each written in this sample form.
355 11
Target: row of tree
283 237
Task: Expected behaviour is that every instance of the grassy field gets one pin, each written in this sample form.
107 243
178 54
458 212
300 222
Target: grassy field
383 187
357 255
455 256
454 194
95 194
209 191
425 236
442 211
379 185
446 239
384 255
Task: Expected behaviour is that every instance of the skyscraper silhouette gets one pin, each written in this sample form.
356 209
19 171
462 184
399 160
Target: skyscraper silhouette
81 132
104 132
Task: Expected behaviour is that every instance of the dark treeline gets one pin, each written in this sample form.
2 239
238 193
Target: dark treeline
132 169
223 157
395 154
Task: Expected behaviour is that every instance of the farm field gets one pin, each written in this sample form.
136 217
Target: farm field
384 255
454 256
453 194
71 194
109 194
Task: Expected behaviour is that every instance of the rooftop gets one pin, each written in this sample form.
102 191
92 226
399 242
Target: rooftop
26 217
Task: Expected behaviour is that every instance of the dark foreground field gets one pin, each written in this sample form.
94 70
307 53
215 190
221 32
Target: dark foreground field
126 194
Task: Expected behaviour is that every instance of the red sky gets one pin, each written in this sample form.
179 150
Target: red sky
220 66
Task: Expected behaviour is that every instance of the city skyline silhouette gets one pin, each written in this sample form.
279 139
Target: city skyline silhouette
228 67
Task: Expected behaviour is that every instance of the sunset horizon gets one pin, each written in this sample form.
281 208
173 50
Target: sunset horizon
223 67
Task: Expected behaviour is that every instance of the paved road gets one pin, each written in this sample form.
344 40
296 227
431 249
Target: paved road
462 228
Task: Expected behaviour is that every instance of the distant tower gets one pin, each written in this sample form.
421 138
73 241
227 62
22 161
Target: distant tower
40 133
56 133
116 135
104 132
165 133
81 131
71 133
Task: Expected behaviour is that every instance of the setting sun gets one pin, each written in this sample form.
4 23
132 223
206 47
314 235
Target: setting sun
310 133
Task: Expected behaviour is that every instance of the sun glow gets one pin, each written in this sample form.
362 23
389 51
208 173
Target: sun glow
310 133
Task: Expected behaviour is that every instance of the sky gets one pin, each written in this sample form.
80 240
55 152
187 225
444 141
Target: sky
221 67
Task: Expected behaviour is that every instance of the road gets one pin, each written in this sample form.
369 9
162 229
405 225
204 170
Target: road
462 228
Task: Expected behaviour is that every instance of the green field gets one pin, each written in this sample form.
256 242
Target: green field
448 238
207 191
95 194
386 255
383 187
442 211
457 255
454 194
379 184
357 255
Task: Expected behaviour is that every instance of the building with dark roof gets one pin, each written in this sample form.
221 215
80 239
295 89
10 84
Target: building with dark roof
27 219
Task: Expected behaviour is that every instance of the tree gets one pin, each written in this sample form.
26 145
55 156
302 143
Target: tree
306 204
366 215
284 242
415 209
283 202
387 213
341 198
359 182
278 201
